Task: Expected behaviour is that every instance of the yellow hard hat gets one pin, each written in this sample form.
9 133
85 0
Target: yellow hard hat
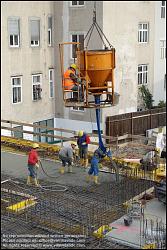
157 150
73 143
35 145
74 66
80 133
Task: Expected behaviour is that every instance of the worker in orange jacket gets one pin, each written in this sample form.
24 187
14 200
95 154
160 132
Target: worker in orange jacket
72 81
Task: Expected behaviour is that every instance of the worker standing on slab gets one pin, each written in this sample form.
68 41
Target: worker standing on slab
160 141
33 165
72 81
83 141
66 155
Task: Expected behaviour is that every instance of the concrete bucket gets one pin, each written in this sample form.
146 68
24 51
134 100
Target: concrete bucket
98 65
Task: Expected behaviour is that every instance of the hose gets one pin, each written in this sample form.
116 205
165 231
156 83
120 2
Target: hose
47 188
61 188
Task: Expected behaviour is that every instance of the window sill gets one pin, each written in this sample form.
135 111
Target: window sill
14 46
77 6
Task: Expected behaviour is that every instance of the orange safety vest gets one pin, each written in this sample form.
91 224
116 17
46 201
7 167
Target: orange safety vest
68 82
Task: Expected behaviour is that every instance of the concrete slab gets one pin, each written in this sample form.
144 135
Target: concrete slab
130 235
15 165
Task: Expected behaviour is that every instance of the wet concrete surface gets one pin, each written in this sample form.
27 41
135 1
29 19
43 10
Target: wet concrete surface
15 165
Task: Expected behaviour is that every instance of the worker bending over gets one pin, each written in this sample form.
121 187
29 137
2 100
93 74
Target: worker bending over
83 141
33 161
72 81
94 168
66 155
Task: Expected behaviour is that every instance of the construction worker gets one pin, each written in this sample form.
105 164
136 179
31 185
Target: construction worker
72 81
33 165
160 141
83 141
94 169
66 155
149 161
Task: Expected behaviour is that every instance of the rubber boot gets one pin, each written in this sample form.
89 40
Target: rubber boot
88 178
29 181
69 169
36 183
81 162
96 180
86 163
61 170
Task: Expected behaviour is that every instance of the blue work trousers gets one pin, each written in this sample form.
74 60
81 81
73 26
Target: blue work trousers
94 169
32 171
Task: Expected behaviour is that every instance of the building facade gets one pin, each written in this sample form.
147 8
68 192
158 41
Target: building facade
30 61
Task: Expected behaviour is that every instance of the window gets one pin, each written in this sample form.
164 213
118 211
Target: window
51 82
163 6
50 31
139 109
143 33
77 38
77 3
14 32
19 133
16 89
142 74
35 32
36 87
48 123
163 49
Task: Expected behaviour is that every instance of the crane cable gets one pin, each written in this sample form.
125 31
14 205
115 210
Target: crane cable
99 30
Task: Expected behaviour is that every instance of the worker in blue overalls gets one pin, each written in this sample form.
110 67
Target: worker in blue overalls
98 155
94 168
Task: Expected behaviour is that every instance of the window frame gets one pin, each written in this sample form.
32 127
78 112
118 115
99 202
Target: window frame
50 31
163 49
51 70
16 86
12 35
141 32
34 44
77 5
71 47
142 73
38 138
38 83
163 9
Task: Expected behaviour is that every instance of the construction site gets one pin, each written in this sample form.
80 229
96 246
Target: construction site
121 206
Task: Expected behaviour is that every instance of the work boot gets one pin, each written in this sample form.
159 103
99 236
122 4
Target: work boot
69 169
96 180
36 183
29 181
81 162
86 163
88 178
109 98
61 170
